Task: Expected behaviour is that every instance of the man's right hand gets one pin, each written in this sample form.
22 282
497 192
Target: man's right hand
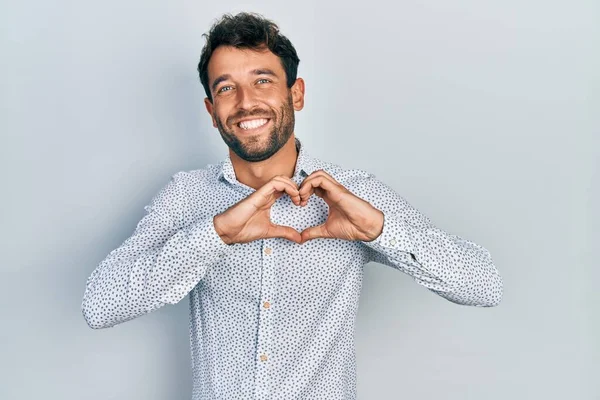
250 219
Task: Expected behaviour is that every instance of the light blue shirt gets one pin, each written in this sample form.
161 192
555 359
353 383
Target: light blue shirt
274 319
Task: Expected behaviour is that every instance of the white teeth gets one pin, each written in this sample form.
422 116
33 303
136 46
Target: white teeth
252 124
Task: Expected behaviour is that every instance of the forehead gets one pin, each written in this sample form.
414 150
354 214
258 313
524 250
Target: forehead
235 62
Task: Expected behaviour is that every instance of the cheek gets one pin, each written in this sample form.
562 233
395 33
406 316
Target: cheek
276 105
220 113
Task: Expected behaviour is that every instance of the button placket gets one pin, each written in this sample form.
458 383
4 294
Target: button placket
268 282
263 350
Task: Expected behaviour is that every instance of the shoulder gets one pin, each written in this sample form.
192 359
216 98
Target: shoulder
183 188
186 185
194 179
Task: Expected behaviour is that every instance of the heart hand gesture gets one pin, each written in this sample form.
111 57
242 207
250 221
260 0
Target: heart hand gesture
350 217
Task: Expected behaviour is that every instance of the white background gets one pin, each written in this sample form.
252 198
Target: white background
483 115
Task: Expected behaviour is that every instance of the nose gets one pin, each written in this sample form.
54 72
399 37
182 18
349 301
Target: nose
246 98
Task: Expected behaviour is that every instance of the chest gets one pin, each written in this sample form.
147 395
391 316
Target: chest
277 267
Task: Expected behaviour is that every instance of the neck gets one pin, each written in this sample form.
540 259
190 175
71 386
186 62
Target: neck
256 174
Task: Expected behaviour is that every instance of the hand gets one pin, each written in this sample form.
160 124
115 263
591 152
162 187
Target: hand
250 219
350 217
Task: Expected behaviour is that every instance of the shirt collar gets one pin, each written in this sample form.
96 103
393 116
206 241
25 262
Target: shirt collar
304 164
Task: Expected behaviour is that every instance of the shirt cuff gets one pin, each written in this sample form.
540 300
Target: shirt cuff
202 249
207 242
394 236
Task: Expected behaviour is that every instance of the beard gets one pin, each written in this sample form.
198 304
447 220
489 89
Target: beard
251 149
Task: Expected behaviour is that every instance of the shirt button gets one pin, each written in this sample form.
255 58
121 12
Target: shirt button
263 357
266 304
268 250
393 242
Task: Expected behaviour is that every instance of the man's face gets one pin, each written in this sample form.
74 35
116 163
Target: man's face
252 106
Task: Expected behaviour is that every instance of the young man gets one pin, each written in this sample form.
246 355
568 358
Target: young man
270 243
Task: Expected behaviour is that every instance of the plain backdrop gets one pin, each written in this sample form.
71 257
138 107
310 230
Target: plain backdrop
483 115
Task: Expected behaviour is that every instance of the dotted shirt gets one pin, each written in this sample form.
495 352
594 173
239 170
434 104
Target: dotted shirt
273 319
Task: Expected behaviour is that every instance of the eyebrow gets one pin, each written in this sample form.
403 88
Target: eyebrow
258 71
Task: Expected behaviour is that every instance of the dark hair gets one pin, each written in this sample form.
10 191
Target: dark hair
247 30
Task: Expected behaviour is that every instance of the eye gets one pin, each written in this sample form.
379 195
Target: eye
264 79
223 89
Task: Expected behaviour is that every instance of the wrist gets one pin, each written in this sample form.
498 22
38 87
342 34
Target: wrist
217 222
376 231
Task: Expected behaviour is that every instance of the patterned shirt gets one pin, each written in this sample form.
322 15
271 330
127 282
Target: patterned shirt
274 319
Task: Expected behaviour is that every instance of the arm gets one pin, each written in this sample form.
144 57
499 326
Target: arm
455 268
159 264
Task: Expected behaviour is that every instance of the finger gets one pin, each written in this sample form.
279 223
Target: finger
286 179
309 185
314 232
286 232
295 198
323 174
276 188
319 176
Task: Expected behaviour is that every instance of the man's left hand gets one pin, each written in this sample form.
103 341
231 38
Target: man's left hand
350 217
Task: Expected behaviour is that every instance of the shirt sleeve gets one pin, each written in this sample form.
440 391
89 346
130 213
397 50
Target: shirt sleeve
455 268
159 264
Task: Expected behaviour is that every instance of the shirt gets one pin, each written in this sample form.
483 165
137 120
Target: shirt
274 319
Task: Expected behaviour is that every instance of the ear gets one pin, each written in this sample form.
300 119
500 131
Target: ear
209 108
298 94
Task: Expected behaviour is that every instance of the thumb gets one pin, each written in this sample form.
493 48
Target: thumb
314 232
285 232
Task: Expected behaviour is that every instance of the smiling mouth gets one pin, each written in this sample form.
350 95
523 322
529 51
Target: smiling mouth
253 124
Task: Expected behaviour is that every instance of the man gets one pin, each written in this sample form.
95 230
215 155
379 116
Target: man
270 243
